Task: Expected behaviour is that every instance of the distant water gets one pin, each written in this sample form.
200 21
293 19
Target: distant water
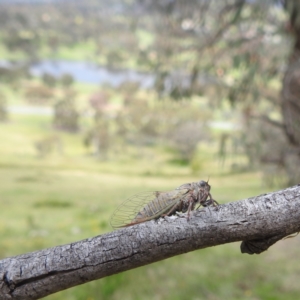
90 73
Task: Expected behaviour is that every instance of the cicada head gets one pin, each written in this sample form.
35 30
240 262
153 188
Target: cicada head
203 185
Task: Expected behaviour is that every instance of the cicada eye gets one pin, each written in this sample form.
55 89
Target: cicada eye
203 183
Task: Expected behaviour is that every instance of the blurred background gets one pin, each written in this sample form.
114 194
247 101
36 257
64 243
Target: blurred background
102 99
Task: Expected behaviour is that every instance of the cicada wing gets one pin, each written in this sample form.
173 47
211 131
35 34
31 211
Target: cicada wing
127 211
145 206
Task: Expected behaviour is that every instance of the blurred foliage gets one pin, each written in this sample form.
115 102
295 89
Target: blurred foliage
49 144
140 122
13 73
99 137
235 60
3 108
38 94
66 80
66 115
49 80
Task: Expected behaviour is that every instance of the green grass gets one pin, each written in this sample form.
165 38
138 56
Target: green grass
81 51
43 207
60 199
6 54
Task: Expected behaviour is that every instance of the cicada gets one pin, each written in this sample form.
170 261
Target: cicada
146 206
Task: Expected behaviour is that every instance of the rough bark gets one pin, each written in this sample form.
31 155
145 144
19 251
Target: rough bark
259 222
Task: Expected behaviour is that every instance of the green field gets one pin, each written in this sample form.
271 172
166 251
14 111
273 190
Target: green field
67 197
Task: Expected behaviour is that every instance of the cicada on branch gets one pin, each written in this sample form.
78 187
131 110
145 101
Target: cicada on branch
147 206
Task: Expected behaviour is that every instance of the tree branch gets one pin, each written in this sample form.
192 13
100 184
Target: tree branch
259 222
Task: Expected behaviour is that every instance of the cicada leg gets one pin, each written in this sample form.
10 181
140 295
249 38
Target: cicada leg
207 202
202 200
190 208
213 201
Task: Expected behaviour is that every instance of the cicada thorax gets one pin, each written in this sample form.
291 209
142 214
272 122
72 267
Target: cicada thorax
199 192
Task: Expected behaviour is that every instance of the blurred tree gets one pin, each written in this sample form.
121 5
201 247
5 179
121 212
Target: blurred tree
26 41
240 59
38 94
6 74
66 80
49 80
290 96
180 126
186 136
66 116
3 108
98 137
12 73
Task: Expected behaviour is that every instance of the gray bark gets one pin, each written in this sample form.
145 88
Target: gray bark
259 222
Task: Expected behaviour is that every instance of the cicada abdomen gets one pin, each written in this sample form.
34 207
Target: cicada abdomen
146 206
